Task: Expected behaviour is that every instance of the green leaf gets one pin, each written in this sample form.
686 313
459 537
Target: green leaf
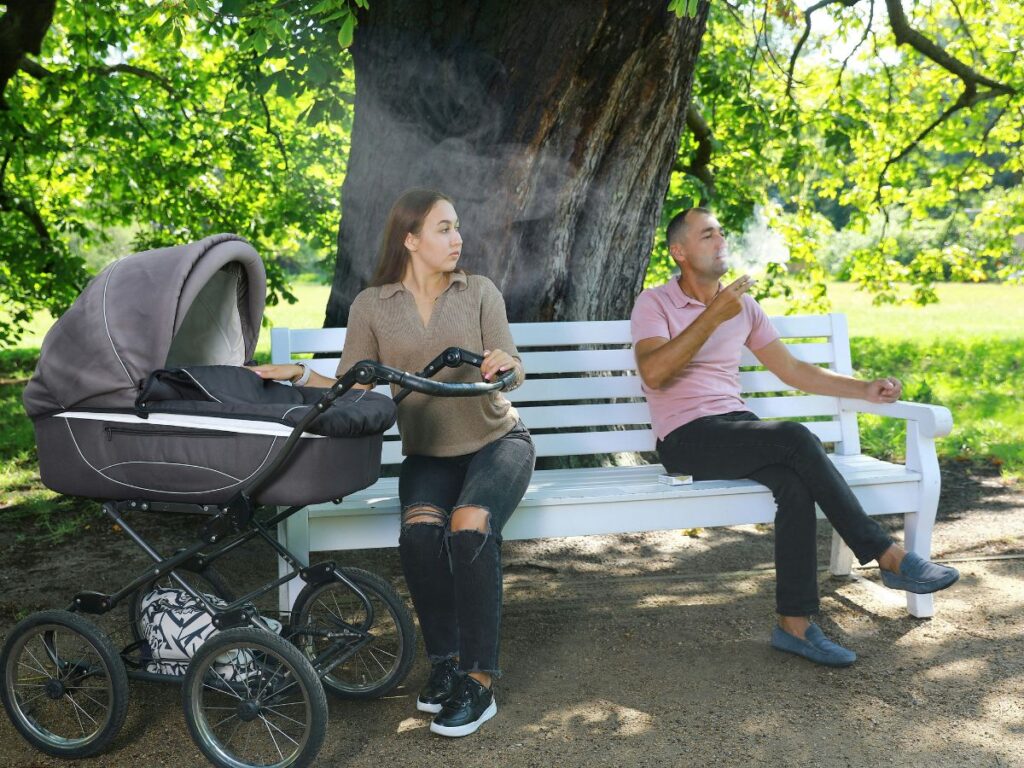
347 31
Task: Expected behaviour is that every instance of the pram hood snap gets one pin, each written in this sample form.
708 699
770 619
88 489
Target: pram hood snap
195 304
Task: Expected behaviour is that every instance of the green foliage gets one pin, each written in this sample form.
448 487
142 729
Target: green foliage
979 380
857 142
172 121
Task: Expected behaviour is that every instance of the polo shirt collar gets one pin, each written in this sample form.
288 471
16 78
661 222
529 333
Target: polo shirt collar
680 299
458 278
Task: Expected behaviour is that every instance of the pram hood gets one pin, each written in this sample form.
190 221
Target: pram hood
195 304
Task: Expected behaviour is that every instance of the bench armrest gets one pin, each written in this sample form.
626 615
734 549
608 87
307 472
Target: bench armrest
933 420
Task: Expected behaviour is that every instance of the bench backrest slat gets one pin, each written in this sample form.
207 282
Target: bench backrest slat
593 362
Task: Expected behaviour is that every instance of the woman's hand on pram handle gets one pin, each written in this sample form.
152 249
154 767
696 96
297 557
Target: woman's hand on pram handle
370 371
496 363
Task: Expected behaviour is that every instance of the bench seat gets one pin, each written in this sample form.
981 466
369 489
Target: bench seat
578 502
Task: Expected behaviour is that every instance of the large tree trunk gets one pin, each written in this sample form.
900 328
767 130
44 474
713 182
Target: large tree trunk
552 124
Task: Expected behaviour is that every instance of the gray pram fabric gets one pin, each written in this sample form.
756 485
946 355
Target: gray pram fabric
139 393
200 303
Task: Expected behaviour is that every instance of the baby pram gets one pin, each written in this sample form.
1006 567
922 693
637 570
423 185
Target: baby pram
139 400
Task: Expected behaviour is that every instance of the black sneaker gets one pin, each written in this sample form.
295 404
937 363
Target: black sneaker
444 677
469 707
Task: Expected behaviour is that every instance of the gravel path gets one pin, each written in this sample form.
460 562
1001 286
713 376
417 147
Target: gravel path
651 650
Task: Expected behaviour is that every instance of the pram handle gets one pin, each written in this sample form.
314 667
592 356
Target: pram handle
453 357
371 372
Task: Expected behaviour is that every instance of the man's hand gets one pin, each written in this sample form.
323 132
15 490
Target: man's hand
728 302
886 390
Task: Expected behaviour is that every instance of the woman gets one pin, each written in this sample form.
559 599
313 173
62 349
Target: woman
468 460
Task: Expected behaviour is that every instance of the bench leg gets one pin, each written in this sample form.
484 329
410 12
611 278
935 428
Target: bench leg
917 538
293 533
841 563
918 526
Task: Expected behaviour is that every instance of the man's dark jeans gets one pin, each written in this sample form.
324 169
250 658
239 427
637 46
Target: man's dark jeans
455 577
787 458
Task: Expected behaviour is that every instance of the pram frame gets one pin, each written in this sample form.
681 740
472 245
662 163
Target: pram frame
230 525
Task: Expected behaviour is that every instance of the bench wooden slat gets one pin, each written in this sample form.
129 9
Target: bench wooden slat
607 414
578 486
607 441
617 331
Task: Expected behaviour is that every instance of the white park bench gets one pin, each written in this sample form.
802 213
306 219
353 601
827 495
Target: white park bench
569 362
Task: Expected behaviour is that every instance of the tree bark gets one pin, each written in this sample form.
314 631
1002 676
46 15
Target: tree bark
22 29
553 125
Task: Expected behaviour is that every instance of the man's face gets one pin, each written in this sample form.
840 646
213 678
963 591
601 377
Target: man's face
701 249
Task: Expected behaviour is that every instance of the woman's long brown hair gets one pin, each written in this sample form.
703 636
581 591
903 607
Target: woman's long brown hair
407 215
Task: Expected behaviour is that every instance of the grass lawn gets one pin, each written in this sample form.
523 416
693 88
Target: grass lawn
964 311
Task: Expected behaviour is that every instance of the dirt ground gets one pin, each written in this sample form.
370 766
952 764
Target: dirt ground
649 650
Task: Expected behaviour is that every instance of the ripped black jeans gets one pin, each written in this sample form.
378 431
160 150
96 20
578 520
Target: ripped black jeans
455 577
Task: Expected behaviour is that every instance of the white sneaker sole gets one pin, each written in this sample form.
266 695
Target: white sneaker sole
468 728
433 709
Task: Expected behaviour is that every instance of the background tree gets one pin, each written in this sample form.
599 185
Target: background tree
553 125
167 124
558 128
899 127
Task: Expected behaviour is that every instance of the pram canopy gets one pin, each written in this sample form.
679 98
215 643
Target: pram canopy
139 391
195 304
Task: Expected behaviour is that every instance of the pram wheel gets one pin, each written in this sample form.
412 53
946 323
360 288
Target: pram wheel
252 699
208 581
65 687
330 618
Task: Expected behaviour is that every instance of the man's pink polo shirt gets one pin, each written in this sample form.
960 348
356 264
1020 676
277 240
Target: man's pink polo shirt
710 384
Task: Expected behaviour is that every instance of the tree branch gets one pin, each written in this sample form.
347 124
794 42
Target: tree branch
972 80
129 69
33 68
38 71
700 165
27 209
807 33
275 134
907 35
867 31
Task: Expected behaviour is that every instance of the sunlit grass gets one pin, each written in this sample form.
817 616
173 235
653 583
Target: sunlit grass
964 310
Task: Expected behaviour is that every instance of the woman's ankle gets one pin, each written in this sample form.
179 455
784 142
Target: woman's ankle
481 677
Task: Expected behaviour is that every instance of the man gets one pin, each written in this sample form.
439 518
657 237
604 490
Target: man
687 338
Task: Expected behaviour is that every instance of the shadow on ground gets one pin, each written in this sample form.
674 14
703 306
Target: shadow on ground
651 650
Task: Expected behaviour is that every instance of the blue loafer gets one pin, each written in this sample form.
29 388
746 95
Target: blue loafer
816 647
920 576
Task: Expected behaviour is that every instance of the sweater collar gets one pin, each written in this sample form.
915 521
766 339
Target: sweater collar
459 278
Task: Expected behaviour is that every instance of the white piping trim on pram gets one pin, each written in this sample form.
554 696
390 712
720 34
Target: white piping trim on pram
106 325
170 464
101 470
198 384
187 421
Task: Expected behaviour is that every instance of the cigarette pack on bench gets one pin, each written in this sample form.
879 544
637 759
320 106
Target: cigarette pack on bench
675 479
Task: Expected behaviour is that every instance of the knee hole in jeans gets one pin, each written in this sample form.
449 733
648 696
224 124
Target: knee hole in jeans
424 514
471 518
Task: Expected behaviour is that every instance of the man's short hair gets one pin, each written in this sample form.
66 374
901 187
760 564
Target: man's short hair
674 230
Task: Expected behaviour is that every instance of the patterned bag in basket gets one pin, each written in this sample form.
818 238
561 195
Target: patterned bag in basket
175 625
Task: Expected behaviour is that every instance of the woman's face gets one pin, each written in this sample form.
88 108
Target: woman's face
439 244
